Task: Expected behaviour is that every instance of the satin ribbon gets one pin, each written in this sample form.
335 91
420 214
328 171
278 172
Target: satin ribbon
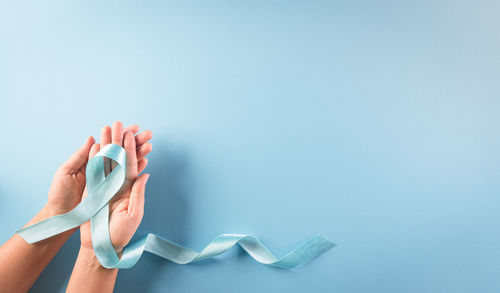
102 188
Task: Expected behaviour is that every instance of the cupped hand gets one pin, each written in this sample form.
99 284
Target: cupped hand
69 182
127 206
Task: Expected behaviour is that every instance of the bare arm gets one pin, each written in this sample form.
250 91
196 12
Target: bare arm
22 263
89 275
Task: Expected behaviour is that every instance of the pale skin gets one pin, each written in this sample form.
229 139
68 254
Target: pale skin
22 263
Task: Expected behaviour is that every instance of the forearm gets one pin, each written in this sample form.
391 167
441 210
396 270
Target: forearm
89 275
22 263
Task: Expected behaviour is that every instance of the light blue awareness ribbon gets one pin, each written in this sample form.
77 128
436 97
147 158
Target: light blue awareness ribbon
102 188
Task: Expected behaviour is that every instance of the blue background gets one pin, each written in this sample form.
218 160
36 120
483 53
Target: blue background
374 123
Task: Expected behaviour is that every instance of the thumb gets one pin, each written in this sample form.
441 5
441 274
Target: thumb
136 203
93 150
79 158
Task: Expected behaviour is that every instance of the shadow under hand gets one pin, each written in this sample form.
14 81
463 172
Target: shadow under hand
166 213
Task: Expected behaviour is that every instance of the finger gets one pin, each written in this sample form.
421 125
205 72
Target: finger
94 150
136 203
143 137
134 128
117 133
85 192
131 167
144 150
105 140
142 165
105 135
79 158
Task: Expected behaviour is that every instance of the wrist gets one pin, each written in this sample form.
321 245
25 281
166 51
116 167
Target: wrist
43 214
54 209
46 212
88 253
87 257
88 274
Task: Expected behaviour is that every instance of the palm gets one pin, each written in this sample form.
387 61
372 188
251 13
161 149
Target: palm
69 181
121 226
123 220
65 191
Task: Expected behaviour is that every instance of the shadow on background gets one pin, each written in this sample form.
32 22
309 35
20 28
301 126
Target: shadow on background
165 213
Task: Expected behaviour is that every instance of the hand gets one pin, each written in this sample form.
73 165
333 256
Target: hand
127 206
22 263
68 183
